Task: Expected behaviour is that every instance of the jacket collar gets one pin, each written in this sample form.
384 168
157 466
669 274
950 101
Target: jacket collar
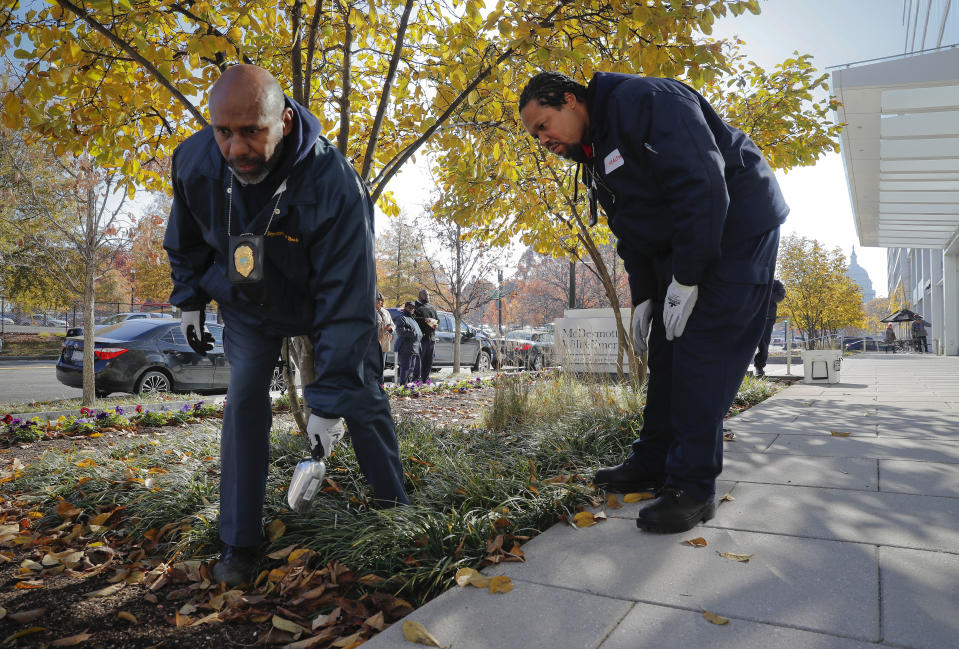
597 100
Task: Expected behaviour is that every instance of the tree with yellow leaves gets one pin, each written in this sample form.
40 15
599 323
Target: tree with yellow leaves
820 298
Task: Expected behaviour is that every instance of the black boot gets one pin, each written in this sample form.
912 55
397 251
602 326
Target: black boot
628 478
674 511
760 372
235 565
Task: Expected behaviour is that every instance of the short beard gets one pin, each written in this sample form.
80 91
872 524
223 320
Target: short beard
268 168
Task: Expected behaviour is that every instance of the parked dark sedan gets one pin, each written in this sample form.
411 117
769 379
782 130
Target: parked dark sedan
476 348
147 356
530 349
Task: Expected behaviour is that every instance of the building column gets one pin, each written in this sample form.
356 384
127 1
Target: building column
937 307
950 301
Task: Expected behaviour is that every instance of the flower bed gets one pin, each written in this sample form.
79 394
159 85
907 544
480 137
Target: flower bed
93 423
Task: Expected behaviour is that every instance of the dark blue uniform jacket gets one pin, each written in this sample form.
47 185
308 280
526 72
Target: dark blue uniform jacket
409 335
684 192
320 274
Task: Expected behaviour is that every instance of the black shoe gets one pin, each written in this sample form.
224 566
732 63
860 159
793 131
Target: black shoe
674 511
759 372
235 565
628 478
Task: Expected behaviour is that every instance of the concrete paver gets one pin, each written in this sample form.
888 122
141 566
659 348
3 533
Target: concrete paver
855 540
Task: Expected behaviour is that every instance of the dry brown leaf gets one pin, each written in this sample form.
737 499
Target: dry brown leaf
100 519
3 612
22 632
106 592
300 555
129 617
212 617
599 516
371 580
715 619
324 620
416 632
726 498
66 510
286 625
729 437
470 577
636 497
275 529
500 584
376 622
25 617
698 542
584 519
732 556
835 433
282 554
313 641
72 640
182 620
350 641
612 501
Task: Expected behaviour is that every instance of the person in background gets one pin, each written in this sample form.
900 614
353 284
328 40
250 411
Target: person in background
919 334
762 355
384 330
408 345
890 339
428 319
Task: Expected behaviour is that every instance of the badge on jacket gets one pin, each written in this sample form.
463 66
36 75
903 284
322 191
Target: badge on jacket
613 161
247 254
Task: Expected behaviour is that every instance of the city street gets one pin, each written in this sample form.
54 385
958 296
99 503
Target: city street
22 381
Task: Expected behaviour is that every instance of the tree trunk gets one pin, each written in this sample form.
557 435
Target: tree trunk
457 291
89 269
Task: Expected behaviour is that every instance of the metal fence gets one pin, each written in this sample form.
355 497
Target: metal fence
13 313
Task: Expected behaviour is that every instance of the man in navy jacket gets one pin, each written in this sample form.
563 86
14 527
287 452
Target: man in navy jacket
696 212
273 223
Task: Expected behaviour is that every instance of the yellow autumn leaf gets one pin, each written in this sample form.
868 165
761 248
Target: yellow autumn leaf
584 519
416 632
129 617
636 497
275 530
470 577
286 625
500 584
836 433
732 556
612 501
715 619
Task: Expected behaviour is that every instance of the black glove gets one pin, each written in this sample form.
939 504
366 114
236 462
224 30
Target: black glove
197 335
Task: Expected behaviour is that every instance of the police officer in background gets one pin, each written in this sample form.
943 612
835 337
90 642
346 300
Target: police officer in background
762 354
696 211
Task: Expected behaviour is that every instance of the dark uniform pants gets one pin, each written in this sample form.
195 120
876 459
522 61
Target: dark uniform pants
694 379
407 367
245 442
762 354
426 358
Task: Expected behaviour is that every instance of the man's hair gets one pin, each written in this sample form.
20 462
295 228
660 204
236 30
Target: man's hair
549 89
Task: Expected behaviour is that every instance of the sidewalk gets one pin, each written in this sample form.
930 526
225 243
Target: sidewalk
855 539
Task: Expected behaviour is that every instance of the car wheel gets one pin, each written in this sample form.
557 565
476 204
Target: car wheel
100 394
536 363
483 362
153 382
278 380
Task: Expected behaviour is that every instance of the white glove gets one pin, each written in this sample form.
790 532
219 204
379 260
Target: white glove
197 335
642 315
323 434
680 300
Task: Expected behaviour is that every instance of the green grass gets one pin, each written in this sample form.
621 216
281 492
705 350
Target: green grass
529 465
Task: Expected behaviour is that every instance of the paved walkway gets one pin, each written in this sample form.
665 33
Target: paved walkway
855 539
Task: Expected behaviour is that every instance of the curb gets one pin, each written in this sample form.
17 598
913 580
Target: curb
28 358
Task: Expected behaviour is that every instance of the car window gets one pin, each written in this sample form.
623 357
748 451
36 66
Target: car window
446 323
176 336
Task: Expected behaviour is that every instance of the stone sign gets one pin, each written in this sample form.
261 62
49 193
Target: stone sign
586 340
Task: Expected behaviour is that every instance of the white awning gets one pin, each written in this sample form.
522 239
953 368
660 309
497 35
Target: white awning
900 148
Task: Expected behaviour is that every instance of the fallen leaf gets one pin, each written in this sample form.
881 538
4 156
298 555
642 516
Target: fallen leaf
500 584
286 625
25 617
100 519
72 640
66 510
612 501
838 434
25 585
349 641
371 580
726 498
470 577
34 629
732 556
182 620
325 620
729 437
106 592
3 612
376 622
275 529
715 619
584 519
129 617
313 641
282 554
698 542
636 497
416 632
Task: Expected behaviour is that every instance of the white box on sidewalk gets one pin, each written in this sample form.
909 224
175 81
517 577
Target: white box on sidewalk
821 365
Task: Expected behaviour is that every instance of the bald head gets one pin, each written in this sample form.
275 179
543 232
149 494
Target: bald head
249 118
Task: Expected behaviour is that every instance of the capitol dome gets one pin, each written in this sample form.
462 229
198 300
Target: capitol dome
858 274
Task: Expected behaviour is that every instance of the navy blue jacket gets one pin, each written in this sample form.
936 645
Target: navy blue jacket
409 334
683 191
320 273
